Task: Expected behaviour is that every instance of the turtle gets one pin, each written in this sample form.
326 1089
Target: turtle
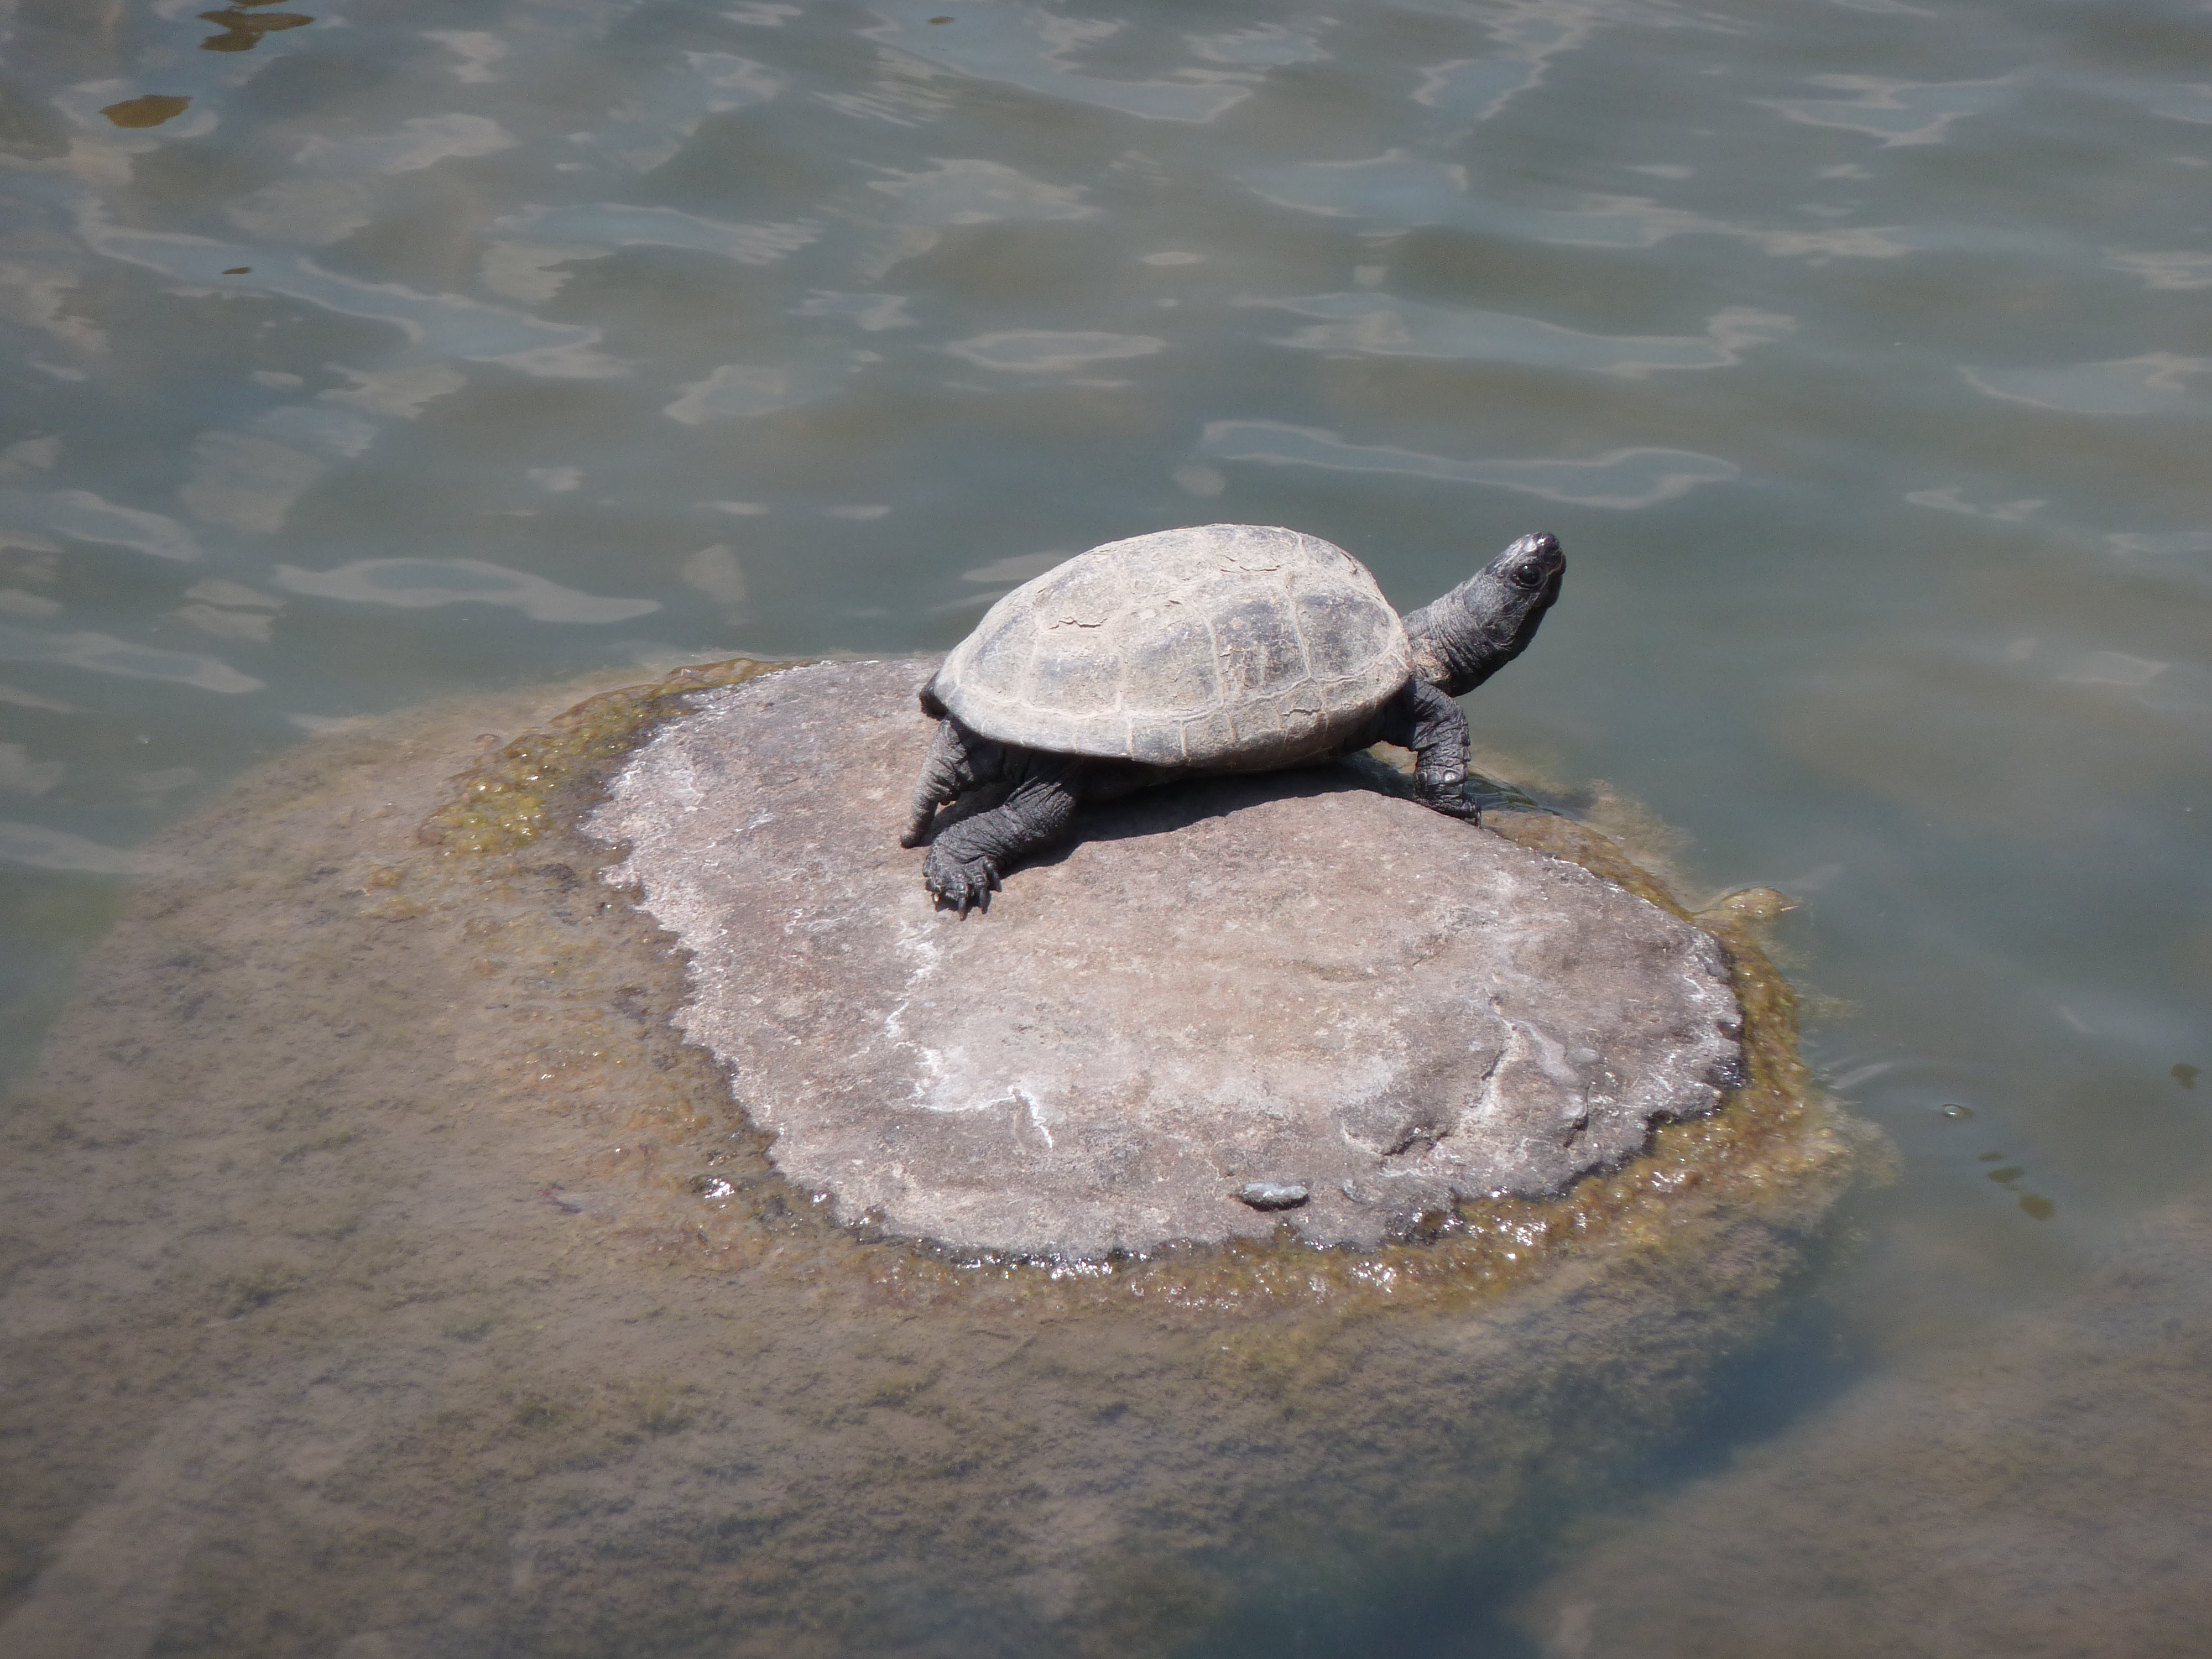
1220 648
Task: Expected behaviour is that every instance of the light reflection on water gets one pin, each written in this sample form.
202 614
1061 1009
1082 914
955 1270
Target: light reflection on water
1856 352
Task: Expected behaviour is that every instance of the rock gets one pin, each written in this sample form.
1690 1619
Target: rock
1287 981
366 1167
2035 1485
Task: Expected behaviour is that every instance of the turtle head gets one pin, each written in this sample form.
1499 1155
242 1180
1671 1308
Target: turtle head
1488 620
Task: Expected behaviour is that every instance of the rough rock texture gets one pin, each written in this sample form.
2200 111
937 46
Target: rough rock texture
1290 979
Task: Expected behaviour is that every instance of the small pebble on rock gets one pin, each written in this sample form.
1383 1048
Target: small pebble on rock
1271 1195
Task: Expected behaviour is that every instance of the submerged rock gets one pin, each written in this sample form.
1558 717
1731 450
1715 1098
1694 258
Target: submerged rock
2038 1487
365 1177
1221 988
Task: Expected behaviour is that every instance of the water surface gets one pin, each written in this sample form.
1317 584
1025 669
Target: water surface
1858 353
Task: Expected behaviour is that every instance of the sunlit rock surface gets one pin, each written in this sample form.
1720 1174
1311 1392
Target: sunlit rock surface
381 1274
1292 979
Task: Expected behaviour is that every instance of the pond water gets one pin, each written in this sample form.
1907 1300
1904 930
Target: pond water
1857 352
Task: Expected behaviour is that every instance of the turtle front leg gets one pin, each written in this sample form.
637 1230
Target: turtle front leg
948 773
1423 719
966 859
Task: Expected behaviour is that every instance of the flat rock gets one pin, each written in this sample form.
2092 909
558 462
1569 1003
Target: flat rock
1274 982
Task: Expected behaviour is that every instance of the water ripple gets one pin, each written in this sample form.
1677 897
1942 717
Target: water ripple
605 226
1525 39
1046 351
978 192
1033 49
418 584
1895 111
84 516
2156 383
103 653
436 325
1622 479
1401 190
2185 103
1375 325
2167 270
736 390
333 182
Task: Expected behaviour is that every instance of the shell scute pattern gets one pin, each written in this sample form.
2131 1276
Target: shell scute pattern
1220 645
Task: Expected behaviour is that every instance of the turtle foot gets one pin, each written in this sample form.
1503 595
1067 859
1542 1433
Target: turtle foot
1447 796
967 883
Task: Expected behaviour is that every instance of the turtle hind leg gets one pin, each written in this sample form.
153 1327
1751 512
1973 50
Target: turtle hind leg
968 858
948 773
1423 719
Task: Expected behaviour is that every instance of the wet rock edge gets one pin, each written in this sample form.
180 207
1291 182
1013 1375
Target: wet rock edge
1775 1148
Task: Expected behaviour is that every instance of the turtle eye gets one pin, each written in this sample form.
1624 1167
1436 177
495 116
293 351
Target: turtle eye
1526 575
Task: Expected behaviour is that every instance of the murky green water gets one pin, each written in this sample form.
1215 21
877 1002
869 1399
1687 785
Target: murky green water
1857 352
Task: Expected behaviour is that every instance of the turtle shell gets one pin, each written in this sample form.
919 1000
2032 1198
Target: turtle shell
1231 646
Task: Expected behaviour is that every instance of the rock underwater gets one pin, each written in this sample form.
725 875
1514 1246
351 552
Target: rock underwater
380 1264
1288 981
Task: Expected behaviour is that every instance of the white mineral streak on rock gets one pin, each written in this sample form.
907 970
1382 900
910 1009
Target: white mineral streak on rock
1288 979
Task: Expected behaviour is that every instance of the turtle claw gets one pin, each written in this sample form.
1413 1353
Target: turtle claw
1447 795
963 884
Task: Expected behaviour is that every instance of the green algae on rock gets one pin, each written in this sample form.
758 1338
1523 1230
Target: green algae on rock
368 1163
505 800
